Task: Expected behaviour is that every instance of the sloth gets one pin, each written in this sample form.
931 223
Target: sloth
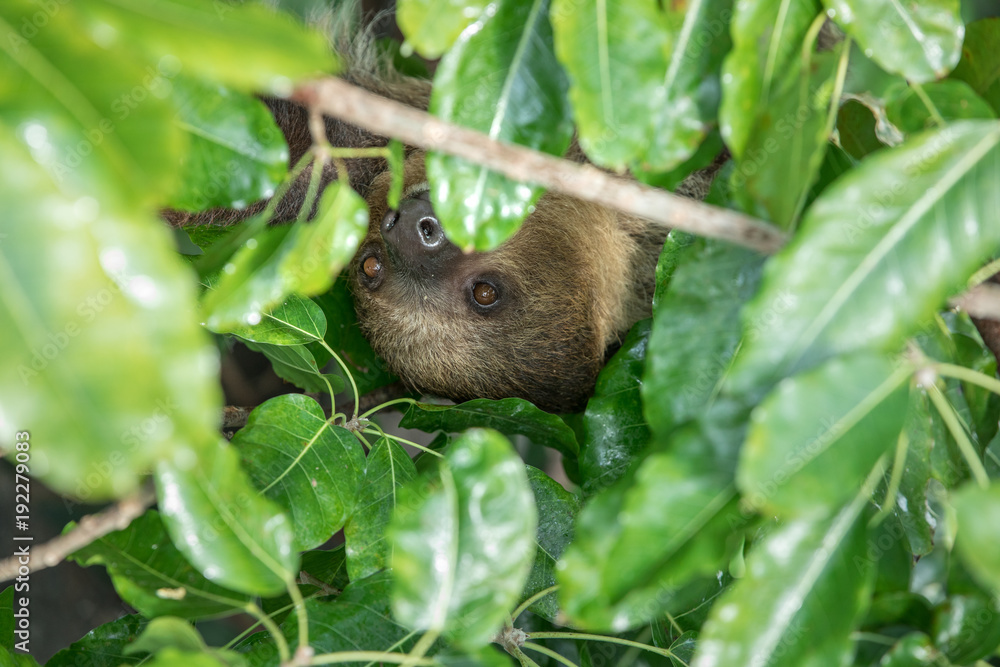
536 318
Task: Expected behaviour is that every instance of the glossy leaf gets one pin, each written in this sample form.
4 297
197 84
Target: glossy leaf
463 546
297 321
921 41
172 657
967 628
248 46
150 573
432 26
557 510
302 259
104 646
657 528
871 282
234 537
296 364
800 600
236 155
815 438
96 320
500 78
767 49
912 650
951 100
388 468
310 468
510 416
912 507
696 331
167 632
978 514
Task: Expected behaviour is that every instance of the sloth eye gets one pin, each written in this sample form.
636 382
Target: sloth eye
485 294
372 267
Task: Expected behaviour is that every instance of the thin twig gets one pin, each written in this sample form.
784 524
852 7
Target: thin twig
335 97
90 528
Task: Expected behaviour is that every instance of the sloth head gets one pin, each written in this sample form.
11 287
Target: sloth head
532 319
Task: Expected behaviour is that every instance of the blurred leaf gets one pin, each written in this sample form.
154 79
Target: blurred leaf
248 46
614 429
303 259
871 282
397 160
815 438
432 26
388 468
800 600
980 63
557 510
95 320
510 416
150 573
234 537
309 467
785 149
296 364
167 632
967 628
767 49
237 154
104 646
922 41
696 331
683 649
856 125
977 511
464 541
321 574
172 657
500 78
912 650
297 321
953 100
911 504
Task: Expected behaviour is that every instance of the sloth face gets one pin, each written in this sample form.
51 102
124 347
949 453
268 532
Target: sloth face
530 319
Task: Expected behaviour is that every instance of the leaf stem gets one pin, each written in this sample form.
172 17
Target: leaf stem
947 413
984 274
898 463
419 650
601 638
968 375
272 628
347 372
395 401
377 430
922 94
313 190
371 656
300 612
532 600
544 650
523 659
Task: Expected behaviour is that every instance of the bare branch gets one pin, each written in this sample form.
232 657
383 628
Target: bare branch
335 97
90 528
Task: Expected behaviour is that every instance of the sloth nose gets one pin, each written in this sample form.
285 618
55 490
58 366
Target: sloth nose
414 235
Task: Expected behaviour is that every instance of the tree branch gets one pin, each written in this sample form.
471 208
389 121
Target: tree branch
90 528
335 97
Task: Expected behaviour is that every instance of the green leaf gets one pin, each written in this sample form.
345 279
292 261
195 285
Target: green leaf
856 126
500 78
800 600
321 573
150 574
923 220
237 154
172 657
785 149
96 319
951 100
911 505
108 137
169 632
977 511
248 46
463 545
510 416
967 628
432 26
298 459
913 650
104 646
815 438
767 49
695 331
921 41
614 429
980 63
388 468
557 511
397 161
304 258
296 364
297 321
640 541
234 537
